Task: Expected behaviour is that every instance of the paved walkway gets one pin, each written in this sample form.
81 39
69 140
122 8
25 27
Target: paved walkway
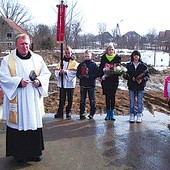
100 145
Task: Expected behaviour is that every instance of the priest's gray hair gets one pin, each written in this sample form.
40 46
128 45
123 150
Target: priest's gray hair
23 35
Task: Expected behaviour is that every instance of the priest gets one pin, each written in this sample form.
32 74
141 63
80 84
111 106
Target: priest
24 79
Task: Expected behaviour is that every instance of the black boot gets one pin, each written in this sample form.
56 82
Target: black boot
58 115
68 115
82 117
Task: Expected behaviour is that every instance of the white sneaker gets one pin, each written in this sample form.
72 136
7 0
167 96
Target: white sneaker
132 118
139 118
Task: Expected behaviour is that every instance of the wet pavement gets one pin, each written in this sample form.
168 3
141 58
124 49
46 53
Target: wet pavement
100 145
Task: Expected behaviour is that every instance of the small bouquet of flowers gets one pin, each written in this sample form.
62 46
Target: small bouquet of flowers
110 69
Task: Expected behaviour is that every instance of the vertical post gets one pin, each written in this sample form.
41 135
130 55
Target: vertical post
155 55
154 64
60 39
61 64
117 34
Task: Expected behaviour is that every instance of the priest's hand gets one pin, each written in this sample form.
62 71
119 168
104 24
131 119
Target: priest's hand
36 83
24 83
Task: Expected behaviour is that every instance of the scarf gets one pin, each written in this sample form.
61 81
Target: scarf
110 57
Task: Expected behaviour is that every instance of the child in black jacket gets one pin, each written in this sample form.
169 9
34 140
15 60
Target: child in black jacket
87 73
137 76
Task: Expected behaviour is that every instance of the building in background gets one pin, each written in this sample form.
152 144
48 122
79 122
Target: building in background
8 31
164 40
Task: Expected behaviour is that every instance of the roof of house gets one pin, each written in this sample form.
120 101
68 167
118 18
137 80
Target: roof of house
167 34
164 35
161 33
131 33
14 25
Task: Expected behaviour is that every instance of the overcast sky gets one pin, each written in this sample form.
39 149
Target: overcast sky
136 15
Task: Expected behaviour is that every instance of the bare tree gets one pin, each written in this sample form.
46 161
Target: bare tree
73 25
151 36
76 29
15 11
42 37
87 41
102 29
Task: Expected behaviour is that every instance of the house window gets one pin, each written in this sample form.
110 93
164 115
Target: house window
10 45
9 35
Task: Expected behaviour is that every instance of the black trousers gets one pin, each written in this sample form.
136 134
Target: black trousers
110 99
65 93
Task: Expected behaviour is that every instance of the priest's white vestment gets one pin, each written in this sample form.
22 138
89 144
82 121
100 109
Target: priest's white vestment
30 99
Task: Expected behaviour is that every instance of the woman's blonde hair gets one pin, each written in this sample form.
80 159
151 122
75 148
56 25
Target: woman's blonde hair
109 46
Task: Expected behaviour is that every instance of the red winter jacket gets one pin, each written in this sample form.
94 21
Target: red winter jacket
167 87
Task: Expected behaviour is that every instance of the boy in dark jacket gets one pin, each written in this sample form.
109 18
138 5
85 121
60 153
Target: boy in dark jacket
137 75
87 73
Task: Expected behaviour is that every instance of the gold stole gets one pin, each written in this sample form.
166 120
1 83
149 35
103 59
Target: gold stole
13 109
72 65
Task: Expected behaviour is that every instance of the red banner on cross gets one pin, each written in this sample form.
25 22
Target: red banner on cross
61 22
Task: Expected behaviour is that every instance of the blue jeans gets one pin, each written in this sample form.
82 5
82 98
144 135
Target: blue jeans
83 96
132 97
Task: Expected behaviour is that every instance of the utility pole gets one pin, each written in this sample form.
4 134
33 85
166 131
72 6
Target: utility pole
118 34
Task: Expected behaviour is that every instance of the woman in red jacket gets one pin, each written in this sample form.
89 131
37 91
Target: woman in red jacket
167 92
167 89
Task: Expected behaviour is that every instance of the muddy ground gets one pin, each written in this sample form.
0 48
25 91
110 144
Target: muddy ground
153 99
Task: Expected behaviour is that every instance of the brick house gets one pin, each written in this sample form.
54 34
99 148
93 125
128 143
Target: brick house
131 40
8 31
164 40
